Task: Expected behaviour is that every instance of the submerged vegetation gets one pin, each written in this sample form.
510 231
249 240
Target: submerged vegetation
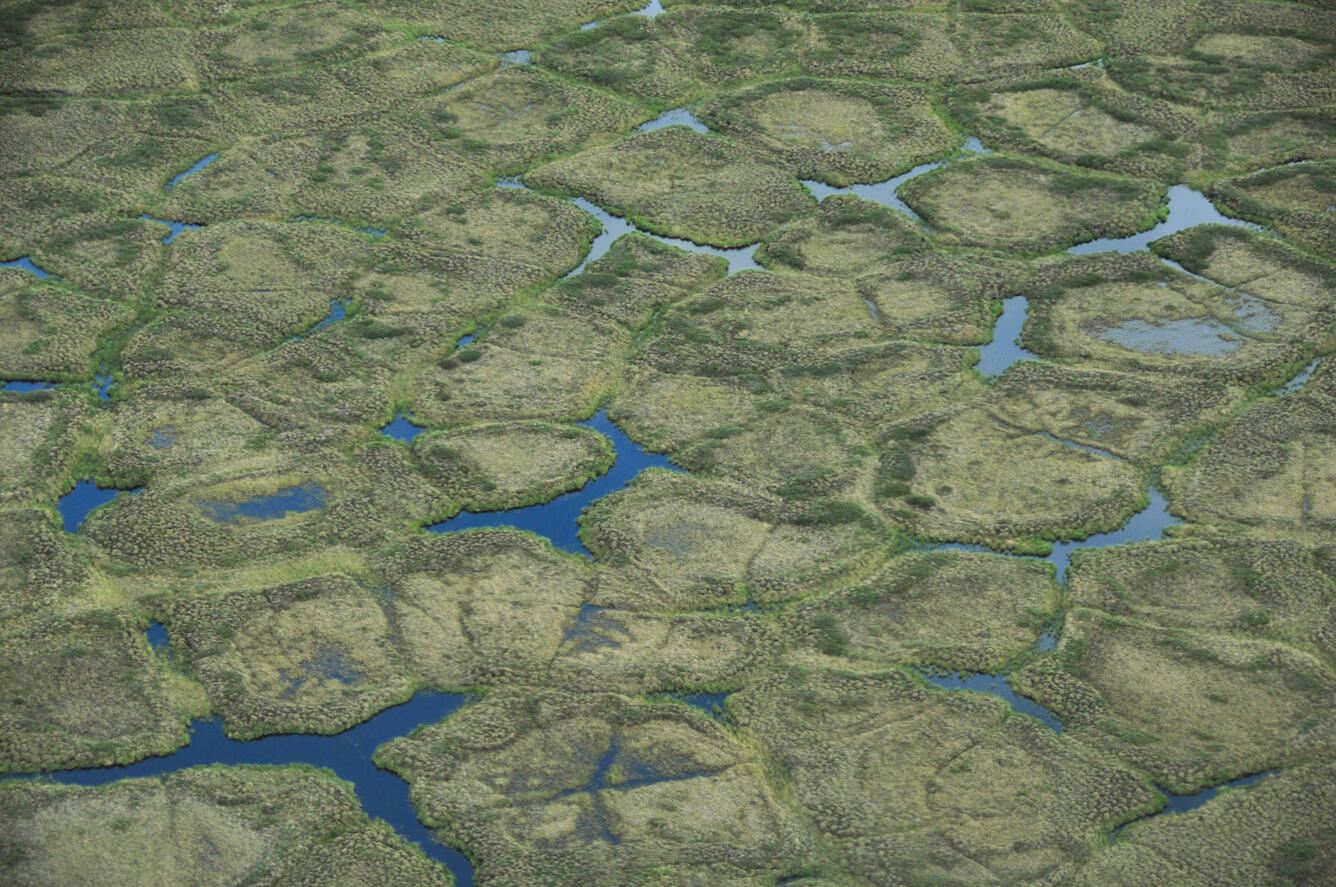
324 283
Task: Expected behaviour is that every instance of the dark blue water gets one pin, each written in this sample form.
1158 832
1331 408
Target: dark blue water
557 518
1186 209
1184 803
348 754
1006 348
27 386
675 117
176 179
993 685
304 497
177 227
887 193
157 635
402 428
466 339
26 264
76 505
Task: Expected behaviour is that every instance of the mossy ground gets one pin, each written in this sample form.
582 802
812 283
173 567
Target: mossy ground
825 407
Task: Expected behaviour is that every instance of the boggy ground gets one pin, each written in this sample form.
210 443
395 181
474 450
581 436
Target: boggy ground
354 255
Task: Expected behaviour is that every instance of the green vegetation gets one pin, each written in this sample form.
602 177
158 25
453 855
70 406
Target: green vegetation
384 205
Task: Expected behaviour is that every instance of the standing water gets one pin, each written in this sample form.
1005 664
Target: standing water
1006 348
349 754
558 518
1187 208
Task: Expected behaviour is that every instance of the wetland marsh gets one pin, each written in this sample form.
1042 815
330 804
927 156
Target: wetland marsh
591 443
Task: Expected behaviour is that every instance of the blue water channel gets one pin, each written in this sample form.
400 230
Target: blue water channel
1187 208
75 506
652 10
739 258
993 685
176 227
26 264
1006 347
675 117
21 385
349 754
1300 378
558 518
1184 803
887 193
176 179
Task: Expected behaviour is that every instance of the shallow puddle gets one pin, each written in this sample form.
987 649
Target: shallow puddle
293 500
557 518
78 503
1006 348
348 754
1191 336
675 117
1187 208
157 635
26 385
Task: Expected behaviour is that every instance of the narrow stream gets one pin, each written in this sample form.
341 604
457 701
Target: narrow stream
557 519
176 227
26 264
1006 348
887 193
203 162
1187 208
1184 803
740 258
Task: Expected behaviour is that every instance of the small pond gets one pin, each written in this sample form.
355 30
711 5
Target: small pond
78 503
401 428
